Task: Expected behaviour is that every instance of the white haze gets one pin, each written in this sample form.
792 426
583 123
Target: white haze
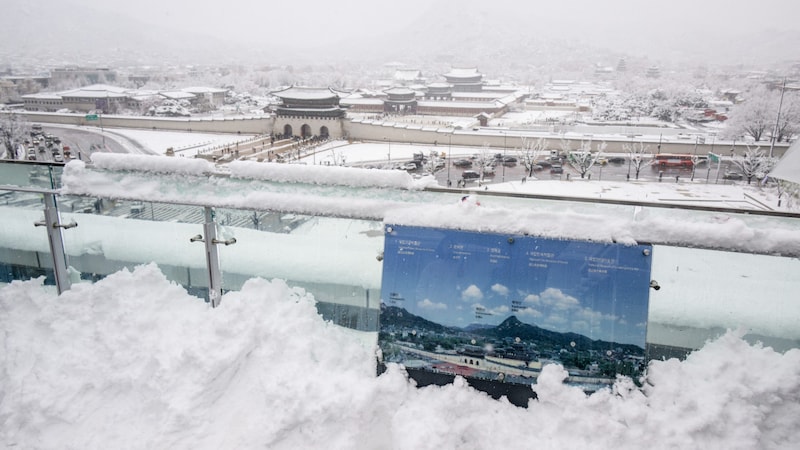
469 32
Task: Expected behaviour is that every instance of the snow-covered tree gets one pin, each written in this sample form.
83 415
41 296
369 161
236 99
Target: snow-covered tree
754 163
757 116
788 191
788 123
13 130
433 164
485 161
639 156
584 159
531 151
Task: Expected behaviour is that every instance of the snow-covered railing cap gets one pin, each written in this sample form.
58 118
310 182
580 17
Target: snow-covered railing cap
150 163
328 175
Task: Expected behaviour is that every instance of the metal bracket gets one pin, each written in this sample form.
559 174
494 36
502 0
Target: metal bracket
199 238
65 226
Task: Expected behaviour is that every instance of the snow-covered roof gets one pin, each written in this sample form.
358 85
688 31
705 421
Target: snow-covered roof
305 93
399 91
788 167
42 96
85 93
178 95
407 74
458 72
204 90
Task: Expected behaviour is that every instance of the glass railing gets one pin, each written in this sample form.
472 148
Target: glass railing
336 253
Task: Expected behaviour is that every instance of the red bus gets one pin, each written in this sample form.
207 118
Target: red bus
663 160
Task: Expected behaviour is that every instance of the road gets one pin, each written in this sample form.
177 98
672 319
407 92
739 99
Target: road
607 172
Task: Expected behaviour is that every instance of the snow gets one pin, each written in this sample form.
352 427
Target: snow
335 175
133 361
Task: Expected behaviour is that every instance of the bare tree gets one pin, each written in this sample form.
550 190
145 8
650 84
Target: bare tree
485 161
753 163
638 156
532 150
13 130
433 164
337 158
584 159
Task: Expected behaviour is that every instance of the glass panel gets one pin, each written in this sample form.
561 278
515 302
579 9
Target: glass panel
24 248
24 174
337 260
702 293
113 234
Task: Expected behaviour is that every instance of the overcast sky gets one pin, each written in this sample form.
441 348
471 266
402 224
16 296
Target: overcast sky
304 19
678 29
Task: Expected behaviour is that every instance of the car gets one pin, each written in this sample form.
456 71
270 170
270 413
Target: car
616 160
509 161
537 167
462 163
470 175
543 163
137 207
733 176
557 168
410 166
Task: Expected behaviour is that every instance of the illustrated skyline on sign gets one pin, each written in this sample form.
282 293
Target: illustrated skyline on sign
457 278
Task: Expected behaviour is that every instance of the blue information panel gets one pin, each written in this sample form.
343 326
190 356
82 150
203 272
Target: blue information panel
499 307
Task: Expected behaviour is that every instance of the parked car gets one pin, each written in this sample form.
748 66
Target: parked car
557 168
462 163
509 161
470 175
616 160
137 207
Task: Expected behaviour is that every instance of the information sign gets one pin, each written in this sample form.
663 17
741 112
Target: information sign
497 307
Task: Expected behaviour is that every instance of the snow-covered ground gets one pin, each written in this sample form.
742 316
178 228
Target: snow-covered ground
185 144
134 362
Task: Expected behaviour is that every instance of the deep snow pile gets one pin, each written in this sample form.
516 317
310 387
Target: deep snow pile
133 361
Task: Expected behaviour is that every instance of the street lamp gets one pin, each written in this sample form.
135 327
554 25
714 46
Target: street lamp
630 157
449 154
504 157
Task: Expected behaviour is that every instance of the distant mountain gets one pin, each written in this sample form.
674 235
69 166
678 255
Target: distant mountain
477 326
69 33
400 317
514 328
511 328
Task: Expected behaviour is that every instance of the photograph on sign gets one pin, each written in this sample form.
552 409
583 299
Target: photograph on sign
498 307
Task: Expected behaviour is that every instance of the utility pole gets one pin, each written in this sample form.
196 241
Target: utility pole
777 119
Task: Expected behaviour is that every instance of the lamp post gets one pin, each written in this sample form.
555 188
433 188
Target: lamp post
630 157
450 155
503 179
777 120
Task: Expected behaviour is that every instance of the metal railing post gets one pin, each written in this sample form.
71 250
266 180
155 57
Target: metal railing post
209 238
52 222
212 258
